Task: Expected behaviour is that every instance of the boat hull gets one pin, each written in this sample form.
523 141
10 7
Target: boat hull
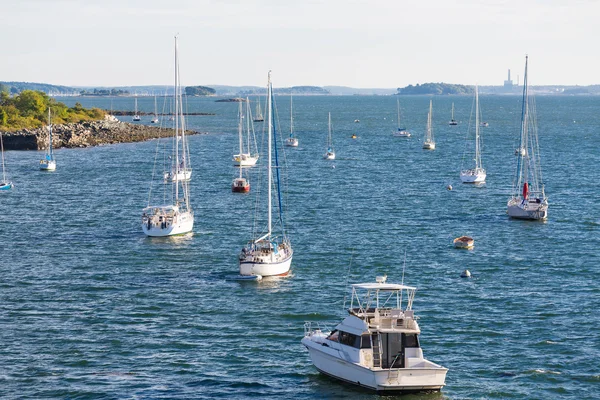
182 175
47 165
6 185
291 142
429 146
473 176
329 156
245 160
403 134
182 224
240 185
380 380
520 209
276 268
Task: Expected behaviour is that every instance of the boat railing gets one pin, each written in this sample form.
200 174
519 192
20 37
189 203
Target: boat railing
312 327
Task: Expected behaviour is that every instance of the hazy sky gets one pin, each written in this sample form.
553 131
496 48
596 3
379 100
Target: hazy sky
358 43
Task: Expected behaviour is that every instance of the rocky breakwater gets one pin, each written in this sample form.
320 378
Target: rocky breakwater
84 134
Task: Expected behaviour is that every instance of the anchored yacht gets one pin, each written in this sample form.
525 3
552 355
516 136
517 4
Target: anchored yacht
377 345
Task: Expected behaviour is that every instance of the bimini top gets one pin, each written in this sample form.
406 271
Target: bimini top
381 294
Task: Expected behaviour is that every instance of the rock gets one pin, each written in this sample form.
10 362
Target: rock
85 134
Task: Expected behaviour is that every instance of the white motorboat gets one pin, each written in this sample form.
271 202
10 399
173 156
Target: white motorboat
401 132
377 346
476 174
529 199
329 153
176 217
429 142
48 163
269 254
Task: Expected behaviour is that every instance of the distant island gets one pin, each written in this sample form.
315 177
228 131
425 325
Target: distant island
427 89
436 89
199 91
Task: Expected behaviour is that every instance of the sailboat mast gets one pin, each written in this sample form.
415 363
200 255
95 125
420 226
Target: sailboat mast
477 156
398 105
240 128
2 151
429 136
329 135
177 105
270 132
291 117
523 140
50 152
248 113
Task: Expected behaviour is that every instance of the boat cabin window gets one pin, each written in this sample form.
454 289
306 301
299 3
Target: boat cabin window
365 341
411 340
349 339
334 336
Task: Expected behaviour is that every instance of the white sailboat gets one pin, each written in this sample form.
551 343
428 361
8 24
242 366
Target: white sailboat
5 184
429 143
241 184
155 119
529 199
329 153
401 132
377 345
248 156
269 254
452 120
136 116
476 174
259 115
177 217
291 140
49 163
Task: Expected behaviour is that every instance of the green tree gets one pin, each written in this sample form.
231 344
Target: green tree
31 103
3 117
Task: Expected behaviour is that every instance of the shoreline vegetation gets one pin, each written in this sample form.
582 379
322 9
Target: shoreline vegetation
24 119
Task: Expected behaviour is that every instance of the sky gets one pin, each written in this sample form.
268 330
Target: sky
356 43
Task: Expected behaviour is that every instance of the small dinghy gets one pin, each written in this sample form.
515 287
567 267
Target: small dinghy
464 242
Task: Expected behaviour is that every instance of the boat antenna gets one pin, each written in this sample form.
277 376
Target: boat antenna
404 266
347 276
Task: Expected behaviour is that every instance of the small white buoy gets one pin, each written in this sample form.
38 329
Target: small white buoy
449 187
465 274
333 166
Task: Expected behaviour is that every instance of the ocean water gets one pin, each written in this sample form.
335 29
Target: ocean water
91 308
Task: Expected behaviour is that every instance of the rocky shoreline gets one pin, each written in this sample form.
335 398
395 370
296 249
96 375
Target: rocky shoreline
84 134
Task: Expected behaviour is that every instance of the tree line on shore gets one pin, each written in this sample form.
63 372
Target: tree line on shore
29 109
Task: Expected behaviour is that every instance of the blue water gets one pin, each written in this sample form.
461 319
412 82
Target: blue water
91 308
